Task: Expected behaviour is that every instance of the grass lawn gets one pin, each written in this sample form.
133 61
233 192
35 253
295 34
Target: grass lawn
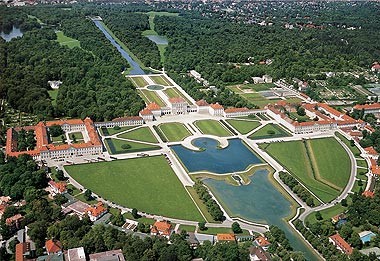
114 146
354 149
362 163
212 127
161 80
187 228
327 154
250 117
148 184
57 139
327 214
174 131
139 81
201 205
259 87
73 190
65 40
53 96
81 198
269 131
356 187
293 156
140 134
174 92
243 126
293 100
78 135
149 221
152 96
111 131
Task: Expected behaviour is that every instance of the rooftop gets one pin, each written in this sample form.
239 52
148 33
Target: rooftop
225 237
342 244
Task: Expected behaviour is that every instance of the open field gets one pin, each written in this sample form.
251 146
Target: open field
212 127
294 157
161 80
174 92
114 146
140 134
152 96
174 131
327 214
65 40
243 126
111 131
53 95
187 228
269 131
148 184
139 82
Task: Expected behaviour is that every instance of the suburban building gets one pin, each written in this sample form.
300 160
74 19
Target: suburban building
368 194
75 254
53 247
45 149
96 211
375 67
58 187
216 109
14 220
22 251
77 208
258 254
162 228
341 244
262 242
113 255
225 238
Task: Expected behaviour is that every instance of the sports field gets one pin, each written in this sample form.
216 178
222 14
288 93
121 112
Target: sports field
115 146
65 40
174 131
139 82
243 126
140 134
161 80
148 184
269 131
321 165
151 96
212 127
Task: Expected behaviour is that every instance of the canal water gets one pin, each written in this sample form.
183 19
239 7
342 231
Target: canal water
136 69
235 157
16 32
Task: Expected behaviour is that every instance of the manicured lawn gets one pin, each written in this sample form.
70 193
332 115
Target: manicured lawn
243 126
293 156
140 134
354 149
53 95
78 135
212 127
332 163
111 131
73 190
114 146
327 214
139 81
269 131
161 80
259 87
174 131
81 198
148 184
152 96
174 92
356 187
65 40
143 220
362 163
187 228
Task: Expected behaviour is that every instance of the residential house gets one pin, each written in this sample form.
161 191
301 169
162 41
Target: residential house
53 247
57 187
341 244
75 254
96 211
257 253
113 255
262 242
162 228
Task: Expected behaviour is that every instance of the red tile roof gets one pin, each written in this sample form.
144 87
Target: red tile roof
341 243
262 241
176 100
163 227
202 103
368 194
232 110
216 106
376 66
60 186
153 106
373 106
53 246
97 210
371 150
145 112
21 249
11 220
225 237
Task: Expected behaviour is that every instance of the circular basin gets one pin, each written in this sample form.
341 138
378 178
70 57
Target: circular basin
155 87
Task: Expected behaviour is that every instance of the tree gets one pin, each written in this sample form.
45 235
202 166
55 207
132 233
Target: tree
56 130
118 219
344 202
88 195
301 111
60 176
202 226
135 213
236 228
125 146
318 215
74 138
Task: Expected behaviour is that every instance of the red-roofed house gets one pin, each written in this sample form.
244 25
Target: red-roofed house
258 254
22 250
216 109
14 220
262 242
57 187
96 211
371 151
225 238
341 244
375 169
146 114
53 247
162 228
375 67
368 194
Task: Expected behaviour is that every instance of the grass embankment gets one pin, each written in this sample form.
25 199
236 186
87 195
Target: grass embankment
212 127
148 184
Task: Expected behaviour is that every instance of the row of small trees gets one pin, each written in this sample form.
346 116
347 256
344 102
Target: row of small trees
297 188
212 207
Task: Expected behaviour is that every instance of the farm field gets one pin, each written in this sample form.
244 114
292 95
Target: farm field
269 131
114 146
126 182
140 134
244 126
151 96
67 41
212 127
174 131
319 174
161 80
139 82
